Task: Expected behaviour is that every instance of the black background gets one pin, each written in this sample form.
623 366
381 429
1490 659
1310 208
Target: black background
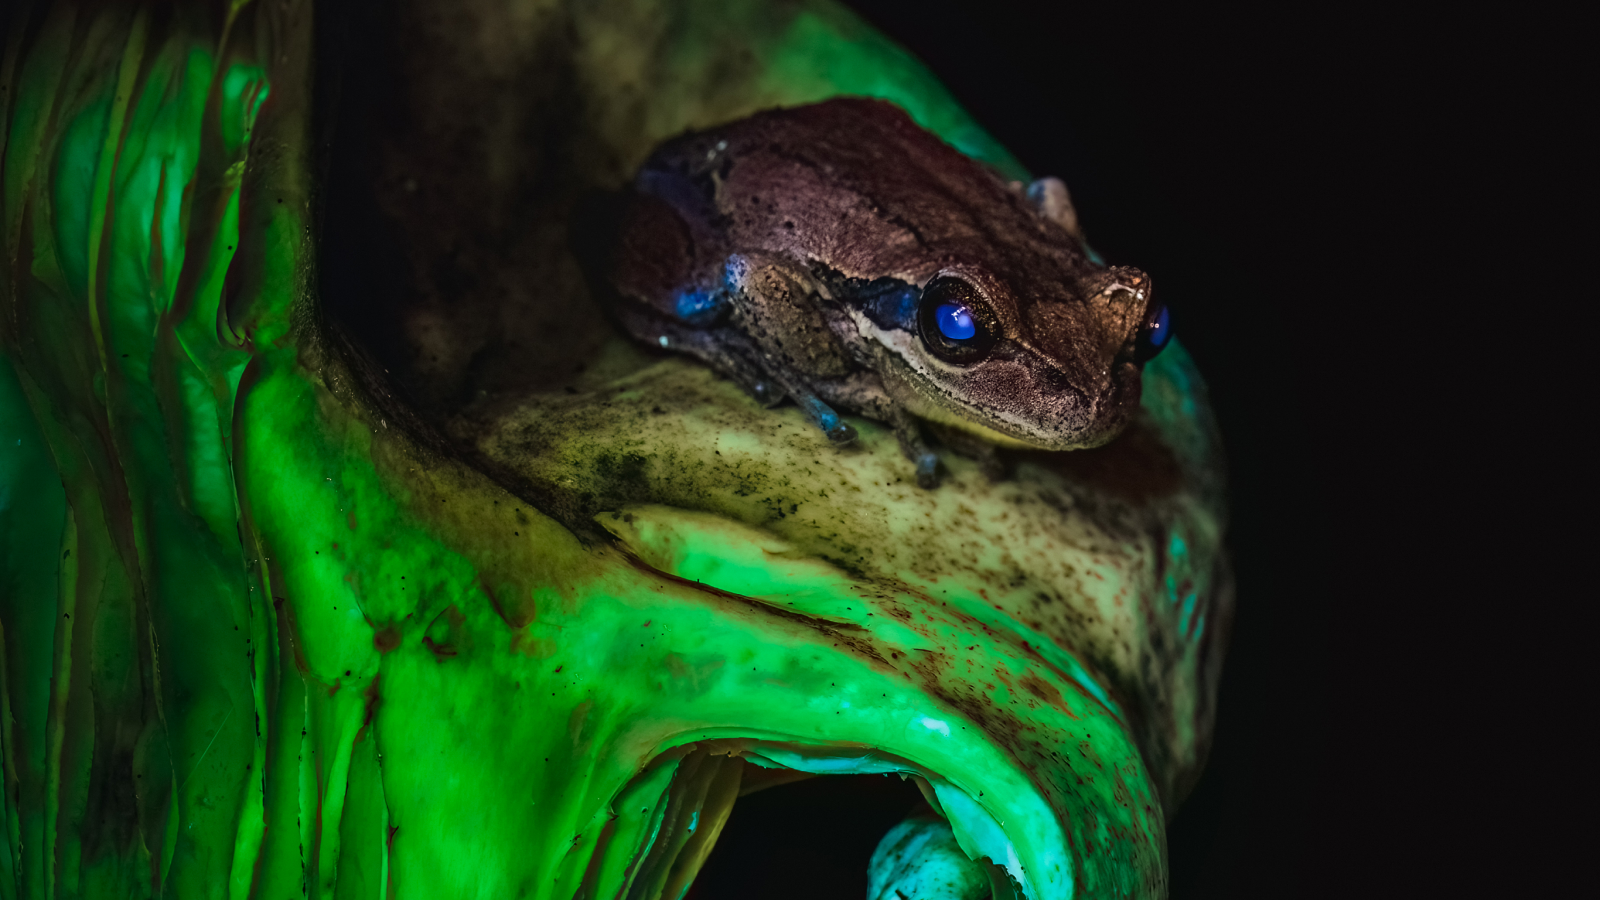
1350 212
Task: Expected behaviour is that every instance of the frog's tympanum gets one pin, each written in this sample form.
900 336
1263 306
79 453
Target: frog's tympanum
839 255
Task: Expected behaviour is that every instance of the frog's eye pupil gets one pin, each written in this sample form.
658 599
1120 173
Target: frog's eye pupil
955 322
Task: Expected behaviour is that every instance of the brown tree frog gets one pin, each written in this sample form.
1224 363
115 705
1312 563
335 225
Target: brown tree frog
841 256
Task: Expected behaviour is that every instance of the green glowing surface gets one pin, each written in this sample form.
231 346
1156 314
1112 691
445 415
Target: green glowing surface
259 642
921 858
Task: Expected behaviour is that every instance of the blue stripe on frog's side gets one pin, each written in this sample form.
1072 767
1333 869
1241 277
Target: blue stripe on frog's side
894 308
698 307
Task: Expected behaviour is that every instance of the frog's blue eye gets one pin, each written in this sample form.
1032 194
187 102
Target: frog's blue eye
955 321
1154 333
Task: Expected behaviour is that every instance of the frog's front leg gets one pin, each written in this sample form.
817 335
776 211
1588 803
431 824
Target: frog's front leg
909 431
773 304
779 307
823 416
864 391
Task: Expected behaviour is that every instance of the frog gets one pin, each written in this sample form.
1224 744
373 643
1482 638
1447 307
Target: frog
840 256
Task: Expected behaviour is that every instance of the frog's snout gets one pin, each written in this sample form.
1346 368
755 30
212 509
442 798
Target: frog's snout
1072 414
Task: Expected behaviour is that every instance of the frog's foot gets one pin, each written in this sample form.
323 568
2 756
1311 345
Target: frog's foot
767 393
985 454
755 382
1049 196
915 448
823 416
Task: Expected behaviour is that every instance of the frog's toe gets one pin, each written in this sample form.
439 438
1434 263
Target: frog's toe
766 393
928 471
840 432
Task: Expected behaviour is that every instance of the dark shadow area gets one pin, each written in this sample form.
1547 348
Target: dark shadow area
806 840
450 161
363 277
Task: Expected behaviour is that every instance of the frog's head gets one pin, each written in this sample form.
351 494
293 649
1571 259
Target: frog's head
1047 363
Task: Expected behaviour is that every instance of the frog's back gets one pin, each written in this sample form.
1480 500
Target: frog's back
857 186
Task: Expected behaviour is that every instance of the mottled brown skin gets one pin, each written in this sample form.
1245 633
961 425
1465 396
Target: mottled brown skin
790 251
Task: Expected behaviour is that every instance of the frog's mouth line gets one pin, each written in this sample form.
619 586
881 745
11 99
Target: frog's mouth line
826 822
